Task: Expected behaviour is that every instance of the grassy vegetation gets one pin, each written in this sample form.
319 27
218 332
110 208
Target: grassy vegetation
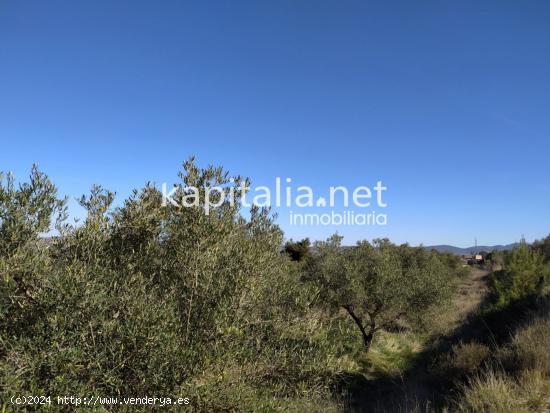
517 379
514 376
146 300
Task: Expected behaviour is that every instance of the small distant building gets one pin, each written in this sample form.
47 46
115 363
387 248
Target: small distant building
475 259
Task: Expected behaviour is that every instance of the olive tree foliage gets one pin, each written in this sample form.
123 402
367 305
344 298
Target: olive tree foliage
146 299
27 210
378 284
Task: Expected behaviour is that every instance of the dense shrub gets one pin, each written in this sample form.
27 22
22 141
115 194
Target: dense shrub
543 247
145 300
298 250
524 274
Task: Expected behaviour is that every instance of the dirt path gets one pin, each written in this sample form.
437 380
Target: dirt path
418 386
470 294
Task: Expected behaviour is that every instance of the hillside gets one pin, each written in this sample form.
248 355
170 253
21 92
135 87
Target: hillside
469 250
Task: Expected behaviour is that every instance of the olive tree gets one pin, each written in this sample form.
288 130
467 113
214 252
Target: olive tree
170 285
146 298
27 210
378 284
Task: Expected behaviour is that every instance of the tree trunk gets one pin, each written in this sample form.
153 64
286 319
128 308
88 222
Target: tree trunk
367 337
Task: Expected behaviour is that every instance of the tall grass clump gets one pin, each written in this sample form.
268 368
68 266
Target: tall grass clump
518 377
490 392
531 346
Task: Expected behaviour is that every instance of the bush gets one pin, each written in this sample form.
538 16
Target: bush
151 300
543 247
298 250
525 274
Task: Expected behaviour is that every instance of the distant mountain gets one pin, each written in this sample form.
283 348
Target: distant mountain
469 250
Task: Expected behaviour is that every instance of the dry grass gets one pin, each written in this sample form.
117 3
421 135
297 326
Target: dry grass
525 387
532 346
491 392
535 390
465 358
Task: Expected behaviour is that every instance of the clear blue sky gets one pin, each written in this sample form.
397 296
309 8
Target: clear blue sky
447 102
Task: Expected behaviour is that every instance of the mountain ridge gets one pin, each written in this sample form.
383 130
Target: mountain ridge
469 250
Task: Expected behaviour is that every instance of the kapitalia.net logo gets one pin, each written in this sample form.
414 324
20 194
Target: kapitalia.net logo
360 205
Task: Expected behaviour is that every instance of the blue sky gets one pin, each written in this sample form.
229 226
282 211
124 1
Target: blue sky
446 102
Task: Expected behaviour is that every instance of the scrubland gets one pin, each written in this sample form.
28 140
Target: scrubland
145 300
